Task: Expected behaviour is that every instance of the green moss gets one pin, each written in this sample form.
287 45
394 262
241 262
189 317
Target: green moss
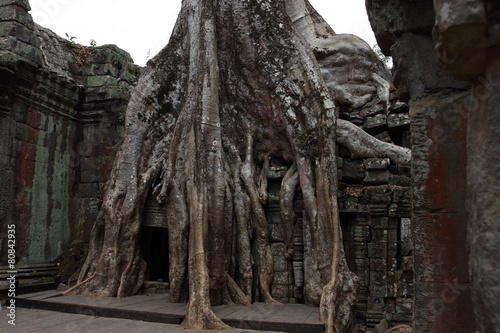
50 196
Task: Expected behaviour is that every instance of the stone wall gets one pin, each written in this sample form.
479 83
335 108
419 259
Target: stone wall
439 119
375 212
467 37
61 118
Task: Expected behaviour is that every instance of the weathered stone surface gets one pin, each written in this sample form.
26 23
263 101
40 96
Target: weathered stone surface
483 200
56 146
416 67
398 120
438 141
467 39
400 329
439 122
461 32
390 19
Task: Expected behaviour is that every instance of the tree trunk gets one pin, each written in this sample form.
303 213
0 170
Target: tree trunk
237 84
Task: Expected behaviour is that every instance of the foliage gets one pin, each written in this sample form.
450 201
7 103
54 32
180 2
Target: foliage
70 40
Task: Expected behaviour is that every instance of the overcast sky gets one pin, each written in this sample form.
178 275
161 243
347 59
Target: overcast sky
143 27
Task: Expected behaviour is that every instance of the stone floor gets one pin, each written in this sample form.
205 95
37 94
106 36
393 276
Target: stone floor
48 311
34 320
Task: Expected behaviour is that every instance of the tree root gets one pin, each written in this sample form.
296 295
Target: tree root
288 217
363 145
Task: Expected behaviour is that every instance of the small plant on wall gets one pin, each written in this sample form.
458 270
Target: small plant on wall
70 40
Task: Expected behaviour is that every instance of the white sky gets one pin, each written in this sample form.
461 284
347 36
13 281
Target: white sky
143 27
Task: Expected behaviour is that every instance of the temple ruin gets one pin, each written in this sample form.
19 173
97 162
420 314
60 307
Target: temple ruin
413 233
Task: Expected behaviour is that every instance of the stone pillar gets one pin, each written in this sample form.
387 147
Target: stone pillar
467 35
442 292
484 196
438 140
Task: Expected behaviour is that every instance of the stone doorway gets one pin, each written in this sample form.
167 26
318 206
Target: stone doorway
154 246
154 242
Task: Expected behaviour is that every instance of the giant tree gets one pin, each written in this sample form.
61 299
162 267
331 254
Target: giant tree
240 82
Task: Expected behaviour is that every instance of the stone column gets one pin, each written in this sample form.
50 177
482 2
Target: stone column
438 140
467 35
483 185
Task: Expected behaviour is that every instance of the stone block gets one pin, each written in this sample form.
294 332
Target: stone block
25 133
392 210
298 252
390 305
101 80
298 293
273 215
360 265
402 195
280 264
392 235
379 235
406 248
282 278
393 223
407 263
276 232
155 215
404 276
419 71
375 123
392 285
15 13
278 249
377 250
404 305
405 230
407 318
91 176
23 3
378 210
384 136
400 180
348 205
363 208
353 171
359 250
398 120
377 195
376 304
376 177
405 290
363 220
378 264
360 233
88 190
280 292
392 250
377 163
90 164
298 273
363 294
26 151
19 112
380 222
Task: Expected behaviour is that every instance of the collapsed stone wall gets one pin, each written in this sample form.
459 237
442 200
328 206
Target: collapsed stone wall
61 120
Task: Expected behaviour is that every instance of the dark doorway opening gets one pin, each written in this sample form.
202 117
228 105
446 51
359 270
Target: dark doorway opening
154 246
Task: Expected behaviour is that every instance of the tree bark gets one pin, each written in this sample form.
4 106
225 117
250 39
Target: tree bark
237 84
